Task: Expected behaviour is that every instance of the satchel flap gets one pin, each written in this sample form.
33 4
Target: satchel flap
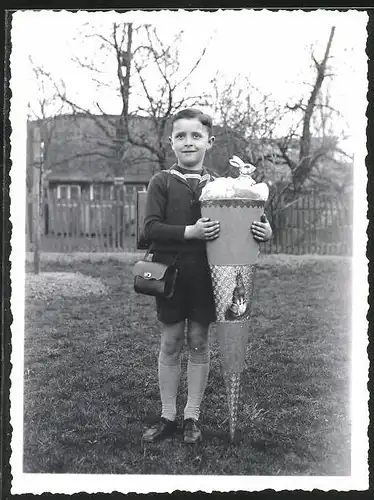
149 270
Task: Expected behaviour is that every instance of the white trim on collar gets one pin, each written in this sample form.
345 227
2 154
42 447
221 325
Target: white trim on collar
205 177
192 176
176 172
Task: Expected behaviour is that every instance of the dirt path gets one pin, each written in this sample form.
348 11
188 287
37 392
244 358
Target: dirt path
66 284
90 256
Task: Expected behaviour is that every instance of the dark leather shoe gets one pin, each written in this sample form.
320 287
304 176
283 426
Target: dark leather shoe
164 429
191 432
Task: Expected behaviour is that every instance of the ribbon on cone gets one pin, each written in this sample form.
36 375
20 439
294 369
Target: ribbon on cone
232 260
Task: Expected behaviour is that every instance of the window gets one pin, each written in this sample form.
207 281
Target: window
133 188
107 192
68 192
62 192
95 192
75 192
101 192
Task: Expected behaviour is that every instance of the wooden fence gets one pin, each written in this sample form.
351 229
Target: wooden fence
85 225
313 224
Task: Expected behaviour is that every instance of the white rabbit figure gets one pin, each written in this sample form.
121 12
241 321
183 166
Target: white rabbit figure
245 169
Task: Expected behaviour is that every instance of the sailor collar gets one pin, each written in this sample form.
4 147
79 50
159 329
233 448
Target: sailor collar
203 177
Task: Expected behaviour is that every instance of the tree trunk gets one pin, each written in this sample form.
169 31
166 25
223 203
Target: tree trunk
306 158
37 185
162 161
124 65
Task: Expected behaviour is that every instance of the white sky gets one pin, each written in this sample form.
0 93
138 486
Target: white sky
271 48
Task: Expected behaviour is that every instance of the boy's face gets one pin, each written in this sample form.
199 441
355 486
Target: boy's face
190 140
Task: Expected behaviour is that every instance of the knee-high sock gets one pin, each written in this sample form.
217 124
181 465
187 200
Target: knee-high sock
169 371
197 378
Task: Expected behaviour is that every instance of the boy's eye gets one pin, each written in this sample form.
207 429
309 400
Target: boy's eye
183 135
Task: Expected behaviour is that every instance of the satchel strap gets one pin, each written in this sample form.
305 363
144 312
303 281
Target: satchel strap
150 249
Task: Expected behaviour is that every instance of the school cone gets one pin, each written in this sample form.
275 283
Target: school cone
232 259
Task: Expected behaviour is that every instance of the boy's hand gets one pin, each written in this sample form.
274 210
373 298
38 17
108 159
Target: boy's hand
204 229
261 230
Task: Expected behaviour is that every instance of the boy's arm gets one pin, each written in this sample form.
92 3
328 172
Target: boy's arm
154 227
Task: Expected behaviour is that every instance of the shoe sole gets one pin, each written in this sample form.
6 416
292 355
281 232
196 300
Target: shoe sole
158 438
154 439
192 441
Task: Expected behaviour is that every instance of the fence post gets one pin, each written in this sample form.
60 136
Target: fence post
310 219
315 231
276 220
325 225
280 217
298 225
29 223
116 237
285 229
37 189
97 213
115 219
332 219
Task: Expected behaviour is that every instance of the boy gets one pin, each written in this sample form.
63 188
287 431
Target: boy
174 225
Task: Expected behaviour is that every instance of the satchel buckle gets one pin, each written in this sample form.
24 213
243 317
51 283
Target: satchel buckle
147 275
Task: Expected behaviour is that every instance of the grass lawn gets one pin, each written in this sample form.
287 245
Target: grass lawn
91 377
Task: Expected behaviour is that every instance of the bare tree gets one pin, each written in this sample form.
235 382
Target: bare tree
151 85
37 196
161 61
43 112
309 155
247 118
306 154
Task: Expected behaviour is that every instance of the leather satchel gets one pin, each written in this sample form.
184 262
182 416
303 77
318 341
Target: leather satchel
154 278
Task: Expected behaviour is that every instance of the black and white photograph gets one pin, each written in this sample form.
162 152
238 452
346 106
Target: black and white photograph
188 262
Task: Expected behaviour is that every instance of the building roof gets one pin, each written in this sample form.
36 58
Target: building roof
79 176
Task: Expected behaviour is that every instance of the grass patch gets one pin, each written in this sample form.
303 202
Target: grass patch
91 378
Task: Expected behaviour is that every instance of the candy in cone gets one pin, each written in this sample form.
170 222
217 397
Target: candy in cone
232 258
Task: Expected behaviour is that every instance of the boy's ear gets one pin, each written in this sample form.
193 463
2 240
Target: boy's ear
211 141
171 141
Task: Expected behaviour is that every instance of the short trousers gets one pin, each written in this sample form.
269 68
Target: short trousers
193 296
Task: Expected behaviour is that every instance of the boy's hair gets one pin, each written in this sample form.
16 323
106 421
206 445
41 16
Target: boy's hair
189 113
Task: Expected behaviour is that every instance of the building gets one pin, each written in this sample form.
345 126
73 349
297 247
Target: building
83 156
80 161
90 180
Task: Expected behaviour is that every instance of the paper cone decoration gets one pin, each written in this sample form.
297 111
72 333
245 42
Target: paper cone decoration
235 244
232 258
232 382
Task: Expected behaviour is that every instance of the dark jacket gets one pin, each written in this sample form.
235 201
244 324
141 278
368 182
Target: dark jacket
172 204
